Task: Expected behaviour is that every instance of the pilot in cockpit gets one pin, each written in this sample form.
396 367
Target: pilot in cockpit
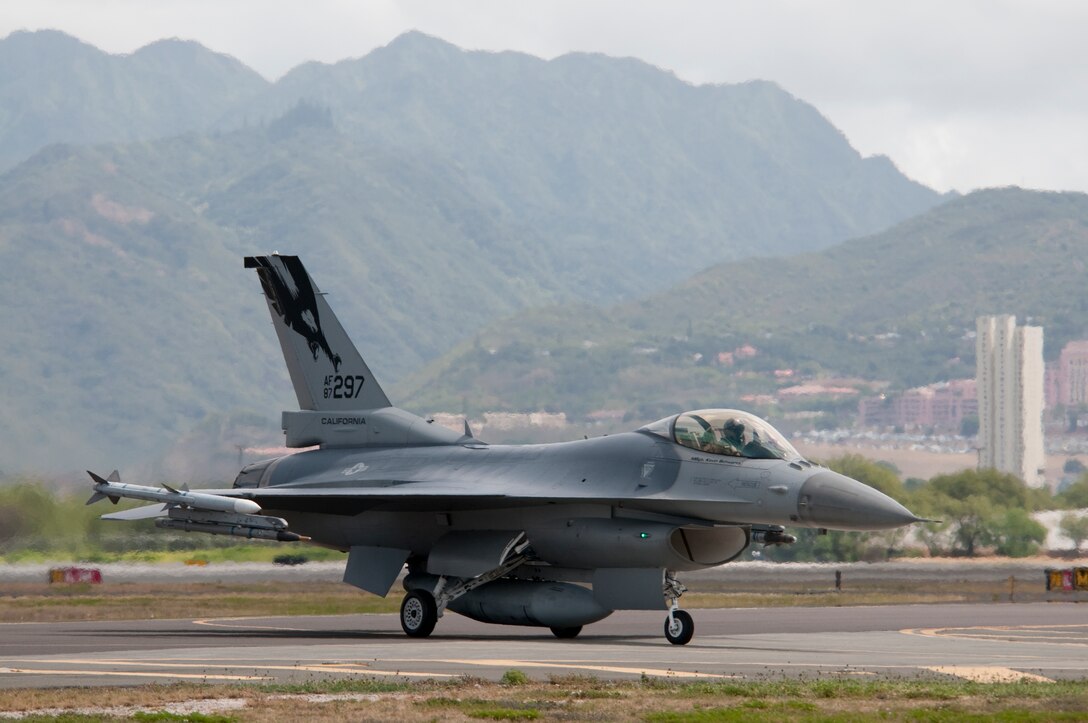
733 434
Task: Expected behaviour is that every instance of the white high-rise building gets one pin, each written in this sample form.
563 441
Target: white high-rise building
1010 382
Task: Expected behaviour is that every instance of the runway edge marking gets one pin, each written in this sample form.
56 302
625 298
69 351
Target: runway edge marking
664 673
131 674
345 668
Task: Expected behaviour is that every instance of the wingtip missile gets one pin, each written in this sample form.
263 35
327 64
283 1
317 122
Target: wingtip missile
193 511
112 488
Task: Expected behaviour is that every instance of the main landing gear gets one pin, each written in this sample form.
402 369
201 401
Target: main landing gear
566 633
679 626
421 608
418 614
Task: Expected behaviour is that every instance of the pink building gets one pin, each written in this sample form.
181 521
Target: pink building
940 406
1069 385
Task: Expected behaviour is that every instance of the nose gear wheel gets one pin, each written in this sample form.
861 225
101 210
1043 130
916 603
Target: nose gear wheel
679 627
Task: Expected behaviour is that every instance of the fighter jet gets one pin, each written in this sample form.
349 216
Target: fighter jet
551 535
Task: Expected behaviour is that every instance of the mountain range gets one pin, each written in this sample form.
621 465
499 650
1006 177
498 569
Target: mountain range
897 307
430 189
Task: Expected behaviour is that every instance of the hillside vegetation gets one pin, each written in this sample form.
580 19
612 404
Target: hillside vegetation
56 89
429 189
899 307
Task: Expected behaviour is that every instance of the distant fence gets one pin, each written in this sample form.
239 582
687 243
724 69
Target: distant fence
75 574
1067 580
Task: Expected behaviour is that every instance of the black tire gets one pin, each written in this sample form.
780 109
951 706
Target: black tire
567 633
418 614
682 629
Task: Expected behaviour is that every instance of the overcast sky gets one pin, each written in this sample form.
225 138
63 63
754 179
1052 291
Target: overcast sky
961 94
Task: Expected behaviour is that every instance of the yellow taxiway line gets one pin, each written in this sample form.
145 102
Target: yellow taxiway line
1040 634
129 674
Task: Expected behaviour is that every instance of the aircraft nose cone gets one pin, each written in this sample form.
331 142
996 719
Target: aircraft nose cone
829 499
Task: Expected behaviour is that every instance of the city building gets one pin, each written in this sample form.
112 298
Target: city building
940 407
1009 383
1068 383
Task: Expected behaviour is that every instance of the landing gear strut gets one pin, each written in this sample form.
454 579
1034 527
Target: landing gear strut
421 608
679 626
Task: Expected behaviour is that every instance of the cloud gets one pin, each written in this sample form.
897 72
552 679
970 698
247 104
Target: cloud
959 94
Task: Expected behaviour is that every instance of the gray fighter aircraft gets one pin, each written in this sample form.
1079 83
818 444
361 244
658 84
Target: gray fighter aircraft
553 535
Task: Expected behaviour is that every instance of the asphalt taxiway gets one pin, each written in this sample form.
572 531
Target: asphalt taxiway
1044 641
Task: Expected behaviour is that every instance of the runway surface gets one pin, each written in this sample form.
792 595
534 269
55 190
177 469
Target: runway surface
1044 641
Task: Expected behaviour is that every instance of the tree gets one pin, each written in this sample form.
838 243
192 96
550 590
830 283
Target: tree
1074 466
28 514
1003 490
964 522
832 546
1015 534
876 475
981 508
934 535
1075 496
1075 527
972 520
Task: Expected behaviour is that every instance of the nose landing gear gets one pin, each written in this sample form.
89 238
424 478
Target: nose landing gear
679 626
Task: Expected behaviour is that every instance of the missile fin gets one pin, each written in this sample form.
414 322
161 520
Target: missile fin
115 476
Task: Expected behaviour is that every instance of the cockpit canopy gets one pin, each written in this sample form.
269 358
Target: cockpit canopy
725 431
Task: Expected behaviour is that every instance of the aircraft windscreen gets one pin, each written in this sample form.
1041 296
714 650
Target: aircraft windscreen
732 432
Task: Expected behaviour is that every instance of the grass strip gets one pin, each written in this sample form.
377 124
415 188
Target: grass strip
583 698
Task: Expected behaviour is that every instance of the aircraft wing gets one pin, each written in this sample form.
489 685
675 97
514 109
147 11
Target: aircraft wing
350 500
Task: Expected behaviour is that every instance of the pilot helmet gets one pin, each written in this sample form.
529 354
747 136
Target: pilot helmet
733 427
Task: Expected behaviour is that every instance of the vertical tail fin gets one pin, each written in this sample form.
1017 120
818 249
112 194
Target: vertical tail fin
326 369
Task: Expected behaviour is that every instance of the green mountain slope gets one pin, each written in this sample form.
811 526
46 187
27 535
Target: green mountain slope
54 88
898 307
431 190
611 153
